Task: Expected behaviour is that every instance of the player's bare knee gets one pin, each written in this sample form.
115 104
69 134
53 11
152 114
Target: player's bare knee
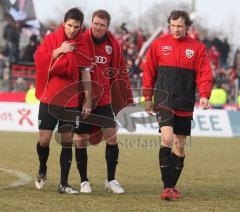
110 136
45 137
44 141
79 143
179 148
81 140
179 145
179 152
166 142
66 137
112 140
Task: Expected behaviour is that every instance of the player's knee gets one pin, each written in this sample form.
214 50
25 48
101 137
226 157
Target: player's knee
44 141
112 140
66 137
81 141
179 146
180 152
179 149
166 142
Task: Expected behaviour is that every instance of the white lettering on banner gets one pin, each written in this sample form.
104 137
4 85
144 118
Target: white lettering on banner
100 59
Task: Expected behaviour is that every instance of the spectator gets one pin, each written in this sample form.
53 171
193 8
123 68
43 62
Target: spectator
238 100
224 52
28 54
30 95
207 42
2 65
139 39
218 97
236 63
11 33
214 57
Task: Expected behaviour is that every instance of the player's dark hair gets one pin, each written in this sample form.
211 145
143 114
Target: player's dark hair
176 14
103 14
74 13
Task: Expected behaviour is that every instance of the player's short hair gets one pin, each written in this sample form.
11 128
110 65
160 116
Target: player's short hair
103 14
74 13
176 14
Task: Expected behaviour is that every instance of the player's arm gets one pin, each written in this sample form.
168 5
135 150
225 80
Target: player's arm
86 79
149 75
204 78
63 49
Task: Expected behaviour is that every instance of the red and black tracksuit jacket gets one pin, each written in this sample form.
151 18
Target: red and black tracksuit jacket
174 67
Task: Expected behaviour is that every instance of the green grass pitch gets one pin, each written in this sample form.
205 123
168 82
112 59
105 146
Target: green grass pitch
210 180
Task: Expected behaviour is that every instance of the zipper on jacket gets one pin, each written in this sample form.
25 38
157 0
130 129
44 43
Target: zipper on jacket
178 53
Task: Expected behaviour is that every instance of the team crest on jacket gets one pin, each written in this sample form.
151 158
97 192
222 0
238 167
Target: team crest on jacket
189 53
108 49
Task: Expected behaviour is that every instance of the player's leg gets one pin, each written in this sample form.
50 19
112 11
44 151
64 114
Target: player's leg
66 129
166 120
112 151
178 156
182 129
111 155
65 157
177 161
165 155
43 149
46 126
81 140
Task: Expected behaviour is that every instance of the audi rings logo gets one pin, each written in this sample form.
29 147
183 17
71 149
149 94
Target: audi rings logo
100 59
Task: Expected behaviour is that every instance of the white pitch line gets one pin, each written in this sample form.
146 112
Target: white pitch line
23 179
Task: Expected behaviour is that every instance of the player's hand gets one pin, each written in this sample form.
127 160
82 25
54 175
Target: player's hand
149 107
93 65
204 104
86 110
67 47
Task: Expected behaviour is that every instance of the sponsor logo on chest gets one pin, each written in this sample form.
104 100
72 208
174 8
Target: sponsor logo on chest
100 60
166 50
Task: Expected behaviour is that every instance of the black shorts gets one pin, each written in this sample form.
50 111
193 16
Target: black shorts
101 116
49 116
181 125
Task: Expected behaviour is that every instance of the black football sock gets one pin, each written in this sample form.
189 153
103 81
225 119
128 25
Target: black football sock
111 155
165 166
177 167
81 160
43 153
65 162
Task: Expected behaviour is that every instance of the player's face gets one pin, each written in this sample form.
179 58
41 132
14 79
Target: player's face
99 27
178 28
72 28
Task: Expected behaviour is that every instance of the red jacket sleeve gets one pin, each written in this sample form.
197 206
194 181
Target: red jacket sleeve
43 59
149 72
204 78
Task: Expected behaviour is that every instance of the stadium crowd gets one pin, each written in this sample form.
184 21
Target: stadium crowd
226 71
